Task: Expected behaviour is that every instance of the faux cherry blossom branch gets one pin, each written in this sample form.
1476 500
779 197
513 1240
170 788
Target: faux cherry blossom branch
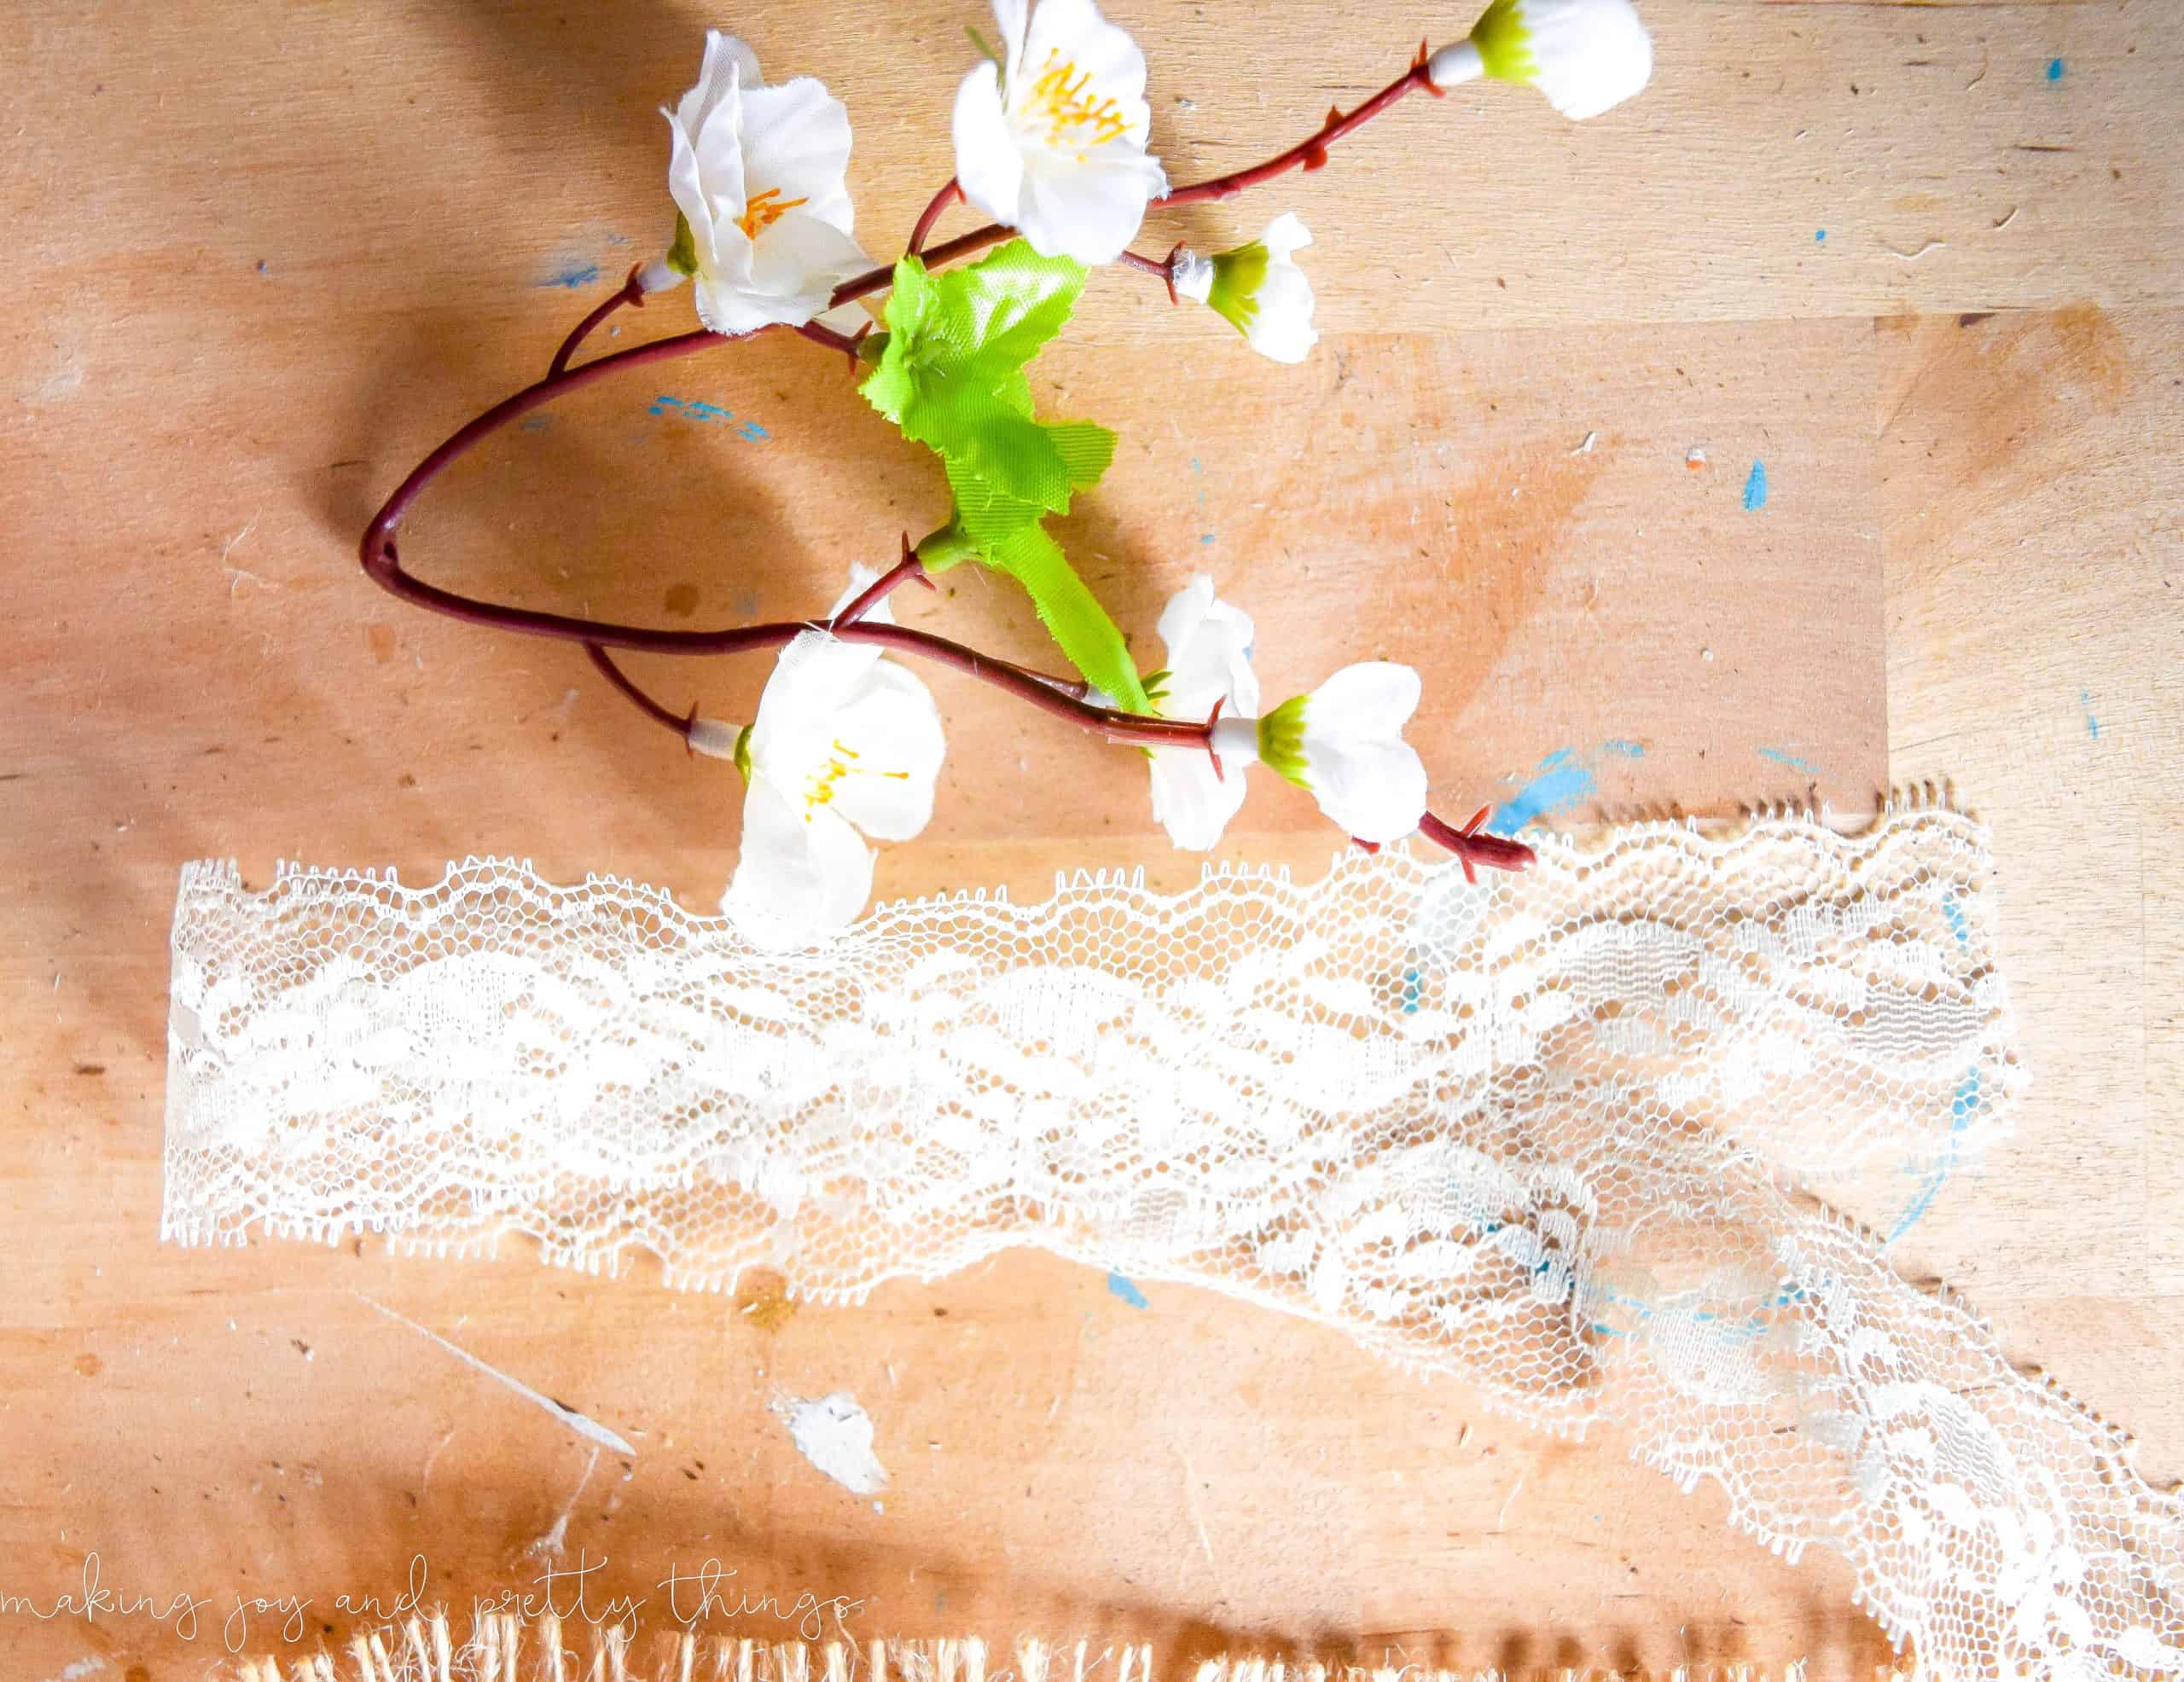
379 555
844 742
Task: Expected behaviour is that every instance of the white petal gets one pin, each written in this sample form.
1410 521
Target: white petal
1285 237
797 878
686 186
1209 644
1374 789
1185 611
725 306
796 142
800 261
891 739
1012 16
1592 54
1364 776
1282 329
1370 700
718 142
988 167
1086 210
728 61
1192 804
815 677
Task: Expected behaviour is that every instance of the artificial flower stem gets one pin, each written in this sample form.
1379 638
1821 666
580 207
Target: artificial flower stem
1145 265
381 563
386 570
679 723
879 279
514 407
941 200
909 566
1472 846
1310 153
630 293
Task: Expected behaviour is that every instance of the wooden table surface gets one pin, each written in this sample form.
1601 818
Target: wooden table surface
1915 264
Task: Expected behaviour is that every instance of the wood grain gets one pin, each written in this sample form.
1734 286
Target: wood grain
264 256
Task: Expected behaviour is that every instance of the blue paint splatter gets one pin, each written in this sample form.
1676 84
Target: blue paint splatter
574 275
2054 70
1414 989
1820 236
1559 783
534 423
1788 759
1755 488
1961 1111
1953 913
1129 1293
1625 750
2092 724
690 408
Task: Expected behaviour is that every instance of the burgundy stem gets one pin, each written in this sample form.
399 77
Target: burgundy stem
386 571
908 567
1062 697
630 293
1312 152
941 200
1474 846
678 722
1309 153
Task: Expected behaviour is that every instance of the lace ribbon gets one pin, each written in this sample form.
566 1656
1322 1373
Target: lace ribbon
1557 1134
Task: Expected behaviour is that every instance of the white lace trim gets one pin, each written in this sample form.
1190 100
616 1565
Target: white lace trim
1552 1134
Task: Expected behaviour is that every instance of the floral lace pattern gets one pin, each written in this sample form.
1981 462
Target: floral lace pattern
1558 1135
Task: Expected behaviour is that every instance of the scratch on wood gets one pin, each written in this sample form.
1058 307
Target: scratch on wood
587 1429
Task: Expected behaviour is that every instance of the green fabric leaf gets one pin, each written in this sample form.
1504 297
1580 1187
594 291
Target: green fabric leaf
952 374
1071 613
1006 533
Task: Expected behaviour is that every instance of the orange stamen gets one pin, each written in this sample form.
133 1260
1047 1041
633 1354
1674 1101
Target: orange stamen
764 211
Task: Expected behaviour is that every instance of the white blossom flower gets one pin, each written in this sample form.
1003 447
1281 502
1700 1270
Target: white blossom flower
1585 56
1051 140
757 174
1344 744
1209 645
846 741
1258 288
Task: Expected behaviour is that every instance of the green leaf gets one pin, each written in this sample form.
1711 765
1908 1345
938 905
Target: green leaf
1071 613
952 374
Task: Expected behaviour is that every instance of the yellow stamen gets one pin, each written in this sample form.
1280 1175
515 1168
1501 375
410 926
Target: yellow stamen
764 211
821 792
1063 95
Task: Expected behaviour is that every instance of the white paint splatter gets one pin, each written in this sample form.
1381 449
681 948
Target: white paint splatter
835 1435
1590 442
90 1667
587 1429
